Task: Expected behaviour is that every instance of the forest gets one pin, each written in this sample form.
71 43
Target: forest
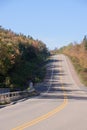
21 59
77 52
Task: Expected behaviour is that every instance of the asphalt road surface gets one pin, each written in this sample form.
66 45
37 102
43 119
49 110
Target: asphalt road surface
62 104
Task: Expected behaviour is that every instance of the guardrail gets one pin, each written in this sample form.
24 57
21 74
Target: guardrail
10 96
13 96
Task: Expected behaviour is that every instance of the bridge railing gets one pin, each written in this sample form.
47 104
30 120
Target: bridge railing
12 96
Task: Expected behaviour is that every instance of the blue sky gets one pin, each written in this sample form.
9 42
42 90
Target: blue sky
55 22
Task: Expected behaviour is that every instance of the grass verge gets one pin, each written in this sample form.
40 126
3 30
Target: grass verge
82 72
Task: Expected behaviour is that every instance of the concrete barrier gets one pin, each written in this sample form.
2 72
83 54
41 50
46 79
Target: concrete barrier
9 97
13 96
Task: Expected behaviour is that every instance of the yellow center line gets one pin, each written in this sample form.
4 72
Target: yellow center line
47 115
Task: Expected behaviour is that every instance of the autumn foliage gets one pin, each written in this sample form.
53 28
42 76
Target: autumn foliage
21 59
78 54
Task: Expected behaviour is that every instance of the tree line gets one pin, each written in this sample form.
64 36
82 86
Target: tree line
21 59
78 54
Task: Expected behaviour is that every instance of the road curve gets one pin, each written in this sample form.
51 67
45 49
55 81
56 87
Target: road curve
62 104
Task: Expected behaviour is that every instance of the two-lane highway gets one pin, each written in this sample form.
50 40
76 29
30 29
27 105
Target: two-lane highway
61 106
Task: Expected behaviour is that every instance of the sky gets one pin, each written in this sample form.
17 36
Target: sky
55 22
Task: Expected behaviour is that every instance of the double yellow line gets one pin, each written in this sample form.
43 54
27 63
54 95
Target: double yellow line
45 116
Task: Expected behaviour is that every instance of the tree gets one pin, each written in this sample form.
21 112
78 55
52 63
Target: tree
85 42
20 59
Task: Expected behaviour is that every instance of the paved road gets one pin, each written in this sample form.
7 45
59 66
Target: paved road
62 104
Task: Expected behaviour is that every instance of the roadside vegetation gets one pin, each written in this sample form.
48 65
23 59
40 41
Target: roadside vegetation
21 59
77 52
